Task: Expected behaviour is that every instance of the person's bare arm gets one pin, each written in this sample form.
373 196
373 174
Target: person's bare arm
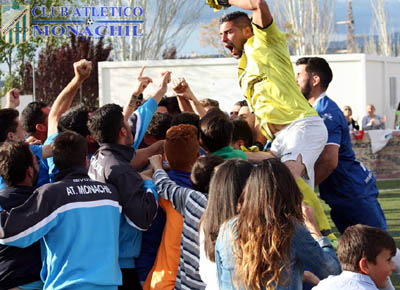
141 158
64 100
182 90
12 99
141 85
327 162
162 89
259 156
261 13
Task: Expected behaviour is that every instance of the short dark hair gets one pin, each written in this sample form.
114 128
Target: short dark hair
242 131
15 159
215 131
242 103
33 115
7 122
361 241
317 66
105 123
203 170
69 150
239 18
159 125
188 118
75 119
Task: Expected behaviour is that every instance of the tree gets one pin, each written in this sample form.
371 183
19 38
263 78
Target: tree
209 36
166 23
55 68
310 24
385 39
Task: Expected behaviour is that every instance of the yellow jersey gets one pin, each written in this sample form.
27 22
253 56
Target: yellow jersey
268 82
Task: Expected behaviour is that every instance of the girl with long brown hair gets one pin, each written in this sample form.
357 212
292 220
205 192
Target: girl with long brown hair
267 245
226 186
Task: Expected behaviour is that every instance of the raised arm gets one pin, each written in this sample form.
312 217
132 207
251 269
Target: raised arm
261 13
63 101
141 85
183 91
12 98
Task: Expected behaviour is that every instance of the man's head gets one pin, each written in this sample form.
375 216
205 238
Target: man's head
10 126
69 150
107 125
203 170
18 166
236 108
367 250
181 147
248 116
34 119
313 76
215 131
235 29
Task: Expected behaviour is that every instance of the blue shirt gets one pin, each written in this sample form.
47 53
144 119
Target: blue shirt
319 257
347 281
351 179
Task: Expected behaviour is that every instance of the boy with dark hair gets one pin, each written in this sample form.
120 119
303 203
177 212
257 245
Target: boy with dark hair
34 119
76 217
242 134
19 169
365 254
191 204
157 128
74 119
216 136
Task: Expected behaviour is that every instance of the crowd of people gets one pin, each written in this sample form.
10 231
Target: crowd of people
173 193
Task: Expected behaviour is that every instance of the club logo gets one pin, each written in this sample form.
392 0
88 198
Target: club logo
15 23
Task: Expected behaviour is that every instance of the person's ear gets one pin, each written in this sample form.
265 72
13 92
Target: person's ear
123 132
363 264
40 127
247 32
315 80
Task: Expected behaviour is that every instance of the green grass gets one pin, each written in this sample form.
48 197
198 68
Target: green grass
389 198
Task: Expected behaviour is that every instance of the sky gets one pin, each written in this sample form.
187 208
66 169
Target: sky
362 11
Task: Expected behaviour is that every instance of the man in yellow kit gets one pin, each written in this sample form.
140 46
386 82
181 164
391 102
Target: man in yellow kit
268 83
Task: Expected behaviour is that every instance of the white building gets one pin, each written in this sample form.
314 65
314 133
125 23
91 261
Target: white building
358 80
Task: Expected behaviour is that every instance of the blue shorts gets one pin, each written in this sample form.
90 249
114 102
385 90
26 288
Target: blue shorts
366 211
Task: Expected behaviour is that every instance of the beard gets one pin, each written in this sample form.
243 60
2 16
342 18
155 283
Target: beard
306 90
